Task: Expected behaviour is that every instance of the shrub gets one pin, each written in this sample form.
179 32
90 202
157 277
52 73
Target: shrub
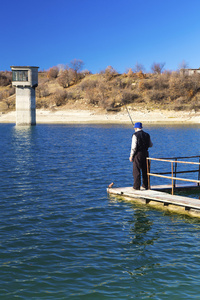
5 78
178 104
140 75
3 106
122 83
156 95
85 73
88 84
42 90
109 105
128 97
145 84
99 94
184 86
53 73
8 74
11 91
40 103
195 104
92 96
10 102
110 73
60 98
160 82
130 73
66 78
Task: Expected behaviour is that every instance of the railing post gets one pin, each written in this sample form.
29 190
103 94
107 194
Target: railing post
175 168
172 178
199 172
148 176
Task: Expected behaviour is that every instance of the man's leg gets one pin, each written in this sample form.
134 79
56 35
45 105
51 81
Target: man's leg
144 174
136 173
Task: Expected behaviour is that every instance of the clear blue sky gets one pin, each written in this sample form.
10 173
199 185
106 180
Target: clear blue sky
119 33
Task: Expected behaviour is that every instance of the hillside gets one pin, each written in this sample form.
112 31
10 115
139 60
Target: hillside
109 91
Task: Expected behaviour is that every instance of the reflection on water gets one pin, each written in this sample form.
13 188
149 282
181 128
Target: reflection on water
140 226
22 150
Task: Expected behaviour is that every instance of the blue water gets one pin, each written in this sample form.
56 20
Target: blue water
62 237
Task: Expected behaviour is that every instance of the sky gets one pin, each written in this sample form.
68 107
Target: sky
117 33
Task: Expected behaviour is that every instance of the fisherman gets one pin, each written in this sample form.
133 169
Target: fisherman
141 141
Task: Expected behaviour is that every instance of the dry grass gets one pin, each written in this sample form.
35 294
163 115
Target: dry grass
110 91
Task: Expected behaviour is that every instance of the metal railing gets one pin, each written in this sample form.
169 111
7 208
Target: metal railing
174 164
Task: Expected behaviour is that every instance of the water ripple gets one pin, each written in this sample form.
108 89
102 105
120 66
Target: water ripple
63 238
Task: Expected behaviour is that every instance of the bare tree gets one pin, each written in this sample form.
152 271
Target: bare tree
157 68
138 67
183 65
77 66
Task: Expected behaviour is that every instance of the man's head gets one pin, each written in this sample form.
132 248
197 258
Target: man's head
138 126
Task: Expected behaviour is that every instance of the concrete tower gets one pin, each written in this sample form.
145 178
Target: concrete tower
25 79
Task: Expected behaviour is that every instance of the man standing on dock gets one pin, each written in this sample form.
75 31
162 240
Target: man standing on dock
141 141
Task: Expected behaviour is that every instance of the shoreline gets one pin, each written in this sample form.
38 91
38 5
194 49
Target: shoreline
75 116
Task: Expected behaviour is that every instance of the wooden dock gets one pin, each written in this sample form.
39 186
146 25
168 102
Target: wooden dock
157 198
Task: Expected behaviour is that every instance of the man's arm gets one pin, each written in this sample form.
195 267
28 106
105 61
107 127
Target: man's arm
150 142
133 147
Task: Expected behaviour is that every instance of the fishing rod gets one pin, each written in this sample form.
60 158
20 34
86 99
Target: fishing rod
129 115
112 183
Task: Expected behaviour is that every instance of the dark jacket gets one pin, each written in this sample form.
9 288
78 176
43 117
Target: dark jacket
141 141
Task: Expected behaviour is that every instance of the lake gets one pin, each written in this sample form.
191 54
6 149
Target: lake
62 237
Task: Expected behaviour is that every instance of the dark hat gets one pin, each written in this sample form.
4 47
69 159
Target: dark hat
138 125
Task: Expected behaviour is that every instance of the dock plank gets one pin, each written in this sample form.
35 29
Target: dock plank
155 195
